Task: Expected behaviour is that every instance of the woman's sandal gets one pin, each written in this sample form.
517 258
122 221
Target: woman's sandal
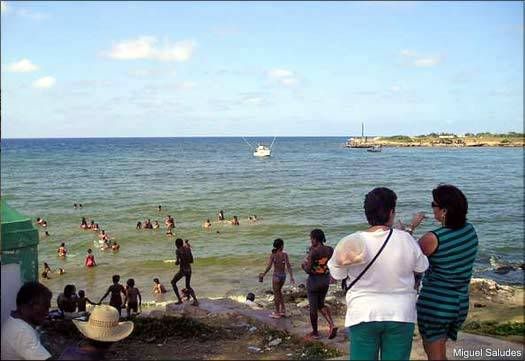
333 333
275 315
312 336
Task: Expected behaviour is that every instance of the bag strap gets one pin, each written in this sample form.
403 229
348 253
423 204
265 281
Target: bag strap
371 262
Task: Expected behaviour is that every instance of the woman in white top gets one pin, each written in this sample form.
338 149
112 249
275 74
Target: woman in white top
381 305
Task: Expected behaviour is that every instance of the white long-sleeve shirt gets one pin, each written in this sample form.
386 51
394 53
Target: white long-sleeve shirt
386 291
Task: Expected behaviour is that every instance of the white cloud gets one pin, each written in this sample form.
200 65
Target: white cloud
3 7
407 52
427 62
22 66
280 73
395 88
419 60
186 85
31 14
147 47
45 82
253 100
283 76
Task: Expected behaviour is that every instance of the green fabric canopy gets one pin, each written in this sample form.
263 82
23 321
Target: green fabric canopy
19 241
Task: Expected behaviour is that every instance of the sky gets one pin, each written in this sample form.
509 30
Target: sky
183 69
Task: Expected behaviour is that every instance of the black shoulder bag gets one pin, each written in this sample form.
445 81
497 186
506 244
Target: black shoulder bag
343 283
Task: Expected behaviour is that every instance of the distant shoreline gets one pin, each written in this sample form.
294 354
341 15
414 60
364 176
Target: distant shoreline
442 140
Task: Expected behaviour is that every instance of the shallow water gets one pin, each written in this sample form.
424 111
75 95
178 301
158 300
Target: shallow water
307 183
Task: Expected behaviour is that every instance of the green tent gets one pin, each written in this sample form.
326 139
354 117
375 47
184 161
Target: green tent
19 242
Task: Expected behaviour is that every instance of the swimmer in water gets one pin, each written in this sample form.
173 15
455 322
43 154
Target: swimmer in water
83 223
158 288
156 225
62 250
207 224
234 221
47 271
90 259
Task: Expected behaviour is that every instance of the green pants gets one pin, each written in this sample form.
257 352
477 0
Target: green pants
387 339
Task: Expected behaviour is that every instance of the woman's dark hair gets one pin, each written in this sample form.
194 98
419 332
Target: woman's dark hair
179 242
81 293
378 204
62 244
318 235
454 201
250 296
277 245
116 278
32 292
156 280
69 290
131 282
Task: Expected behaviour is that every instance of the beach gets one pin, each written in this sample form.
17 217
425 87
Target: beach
228 329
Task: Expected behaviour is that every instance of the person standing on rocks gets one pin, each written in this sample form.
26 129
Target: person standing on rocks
184 260
443 302
280 262
316 265
380 262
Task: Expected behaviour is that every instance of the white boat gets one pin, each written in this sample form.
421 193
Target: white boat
262 151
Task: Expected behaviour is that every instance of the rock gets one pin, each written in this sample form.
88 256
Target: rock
479 305
331 299
252 329
295 313
253 349
154 314
275 342
522 266
303 304
293 295
502 270
186 309
151 339
489 288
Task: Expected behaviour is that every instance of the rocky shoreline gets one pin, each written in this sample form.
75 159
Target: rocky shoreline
228 328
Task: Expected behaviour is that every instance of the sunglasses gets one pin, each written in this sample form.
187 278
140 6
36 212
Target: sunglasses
434 205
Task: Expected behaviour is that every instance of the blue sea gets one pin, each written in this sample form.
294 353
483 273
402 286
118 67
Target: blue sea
307 183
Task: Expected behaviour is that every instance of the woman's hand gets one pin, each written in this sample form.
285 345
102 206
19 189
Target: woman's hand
417 219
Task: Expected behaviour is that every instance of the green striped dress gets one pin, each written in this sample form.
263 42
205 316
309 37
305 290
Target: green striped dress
443 302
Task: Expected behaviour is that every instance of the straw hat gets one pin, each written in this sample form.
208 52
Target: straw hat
103 325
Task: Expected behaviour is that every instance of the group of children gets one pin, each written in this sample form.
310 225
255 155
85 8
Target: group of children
132 297
148 225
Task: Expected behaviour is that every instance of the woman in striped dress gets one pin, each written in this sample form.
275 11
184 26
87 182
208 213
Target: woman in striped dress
443 302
